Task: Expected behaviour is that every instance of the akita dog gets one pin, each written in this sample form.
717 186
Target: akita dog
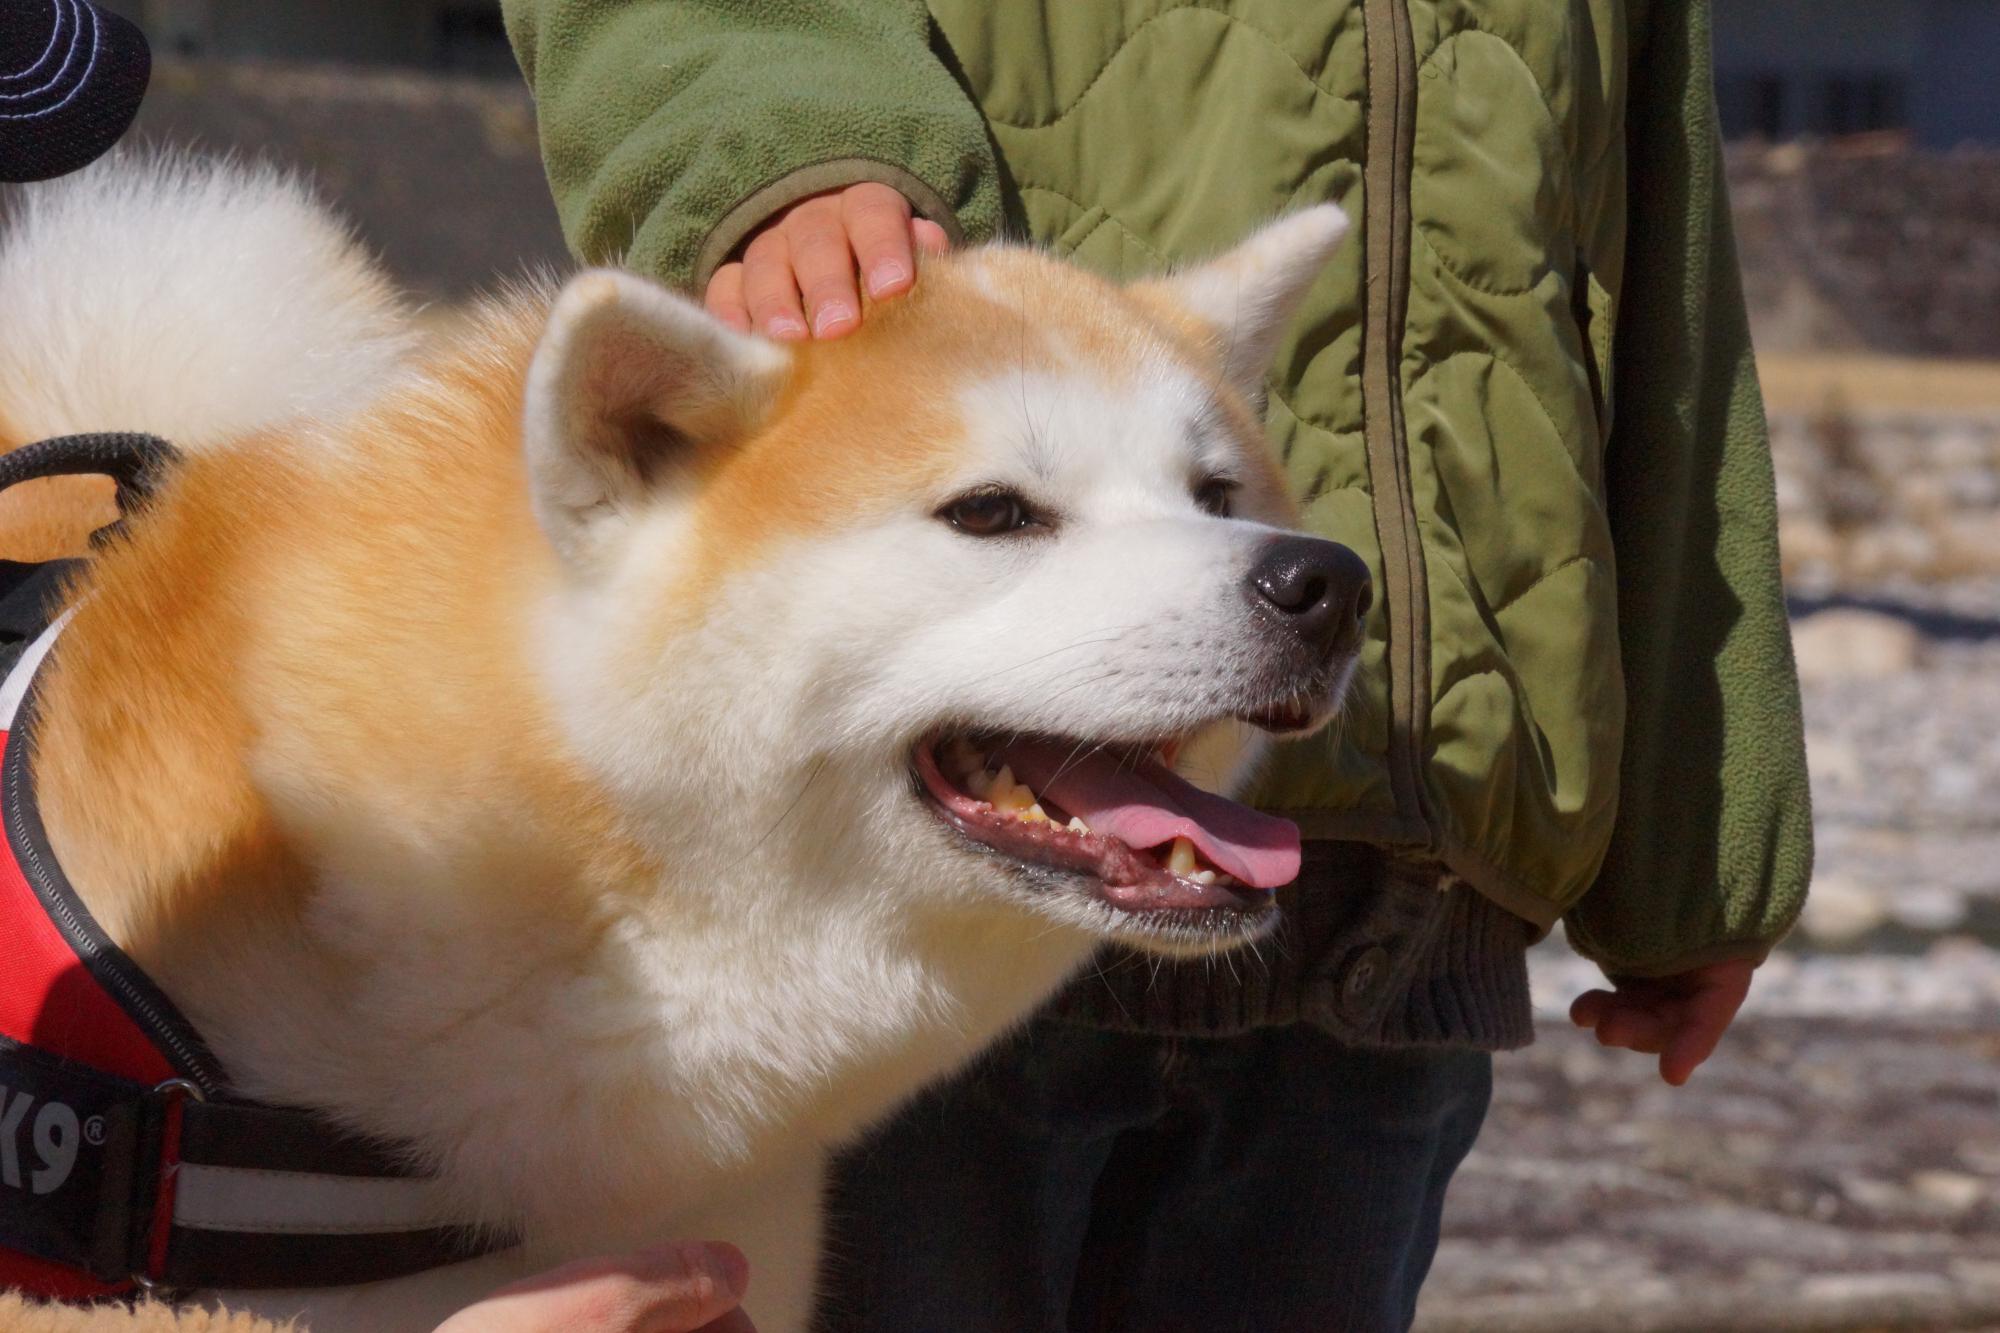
614 759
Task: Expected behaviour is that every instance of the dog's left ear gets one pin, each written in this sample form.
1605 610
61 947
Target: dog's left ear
629 384
1246 298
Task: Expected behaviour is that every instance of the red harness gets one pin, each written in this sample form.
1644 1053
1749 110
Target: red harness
49 1001
125 1161
55 1014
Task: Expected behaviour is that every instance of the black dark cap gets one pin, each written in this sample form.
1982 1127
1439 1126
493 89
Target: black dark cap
71 78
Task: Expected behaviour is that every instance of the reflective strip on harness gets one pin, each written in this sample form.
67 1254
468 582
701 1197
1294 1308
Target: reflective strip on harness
302 1203
15 688
120 1152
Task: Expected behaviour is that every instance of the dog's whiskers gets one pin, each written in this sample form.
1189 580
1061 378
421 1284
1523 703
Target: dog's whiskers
789 810
1112 637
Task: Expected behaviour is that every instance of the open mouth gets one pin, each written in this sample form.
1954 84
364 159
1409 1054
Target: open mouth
1145 839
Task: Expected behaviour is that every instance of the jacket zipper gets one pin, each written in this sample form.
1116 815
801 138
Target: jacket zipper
1391 130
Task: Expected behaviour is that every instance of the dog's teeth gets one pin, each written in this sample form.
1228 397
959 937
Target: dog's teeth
1076 825
1014 800
1004 793
1009 795
1180 859
1203 877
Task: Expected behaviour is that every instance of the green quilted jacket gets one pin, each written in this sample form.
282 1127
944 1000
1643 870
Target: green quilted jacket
1524 391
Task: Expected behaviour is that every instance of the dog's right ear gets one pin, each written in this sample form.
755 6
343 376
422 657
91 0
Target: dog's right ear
1246 298
627 386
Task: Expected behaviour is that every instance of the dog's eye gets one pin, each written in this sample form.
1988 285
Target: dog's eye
1215 495
988 514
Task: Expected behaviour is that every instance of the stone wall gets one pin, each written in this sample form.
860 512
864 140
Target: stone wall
1866 245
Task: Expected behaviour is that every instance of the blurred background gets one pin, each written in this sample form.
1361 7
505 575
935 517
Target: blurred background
1835 1167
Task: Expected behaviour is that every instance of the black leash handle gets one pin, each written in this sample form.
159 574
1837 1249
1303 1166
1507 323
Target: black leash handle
136 462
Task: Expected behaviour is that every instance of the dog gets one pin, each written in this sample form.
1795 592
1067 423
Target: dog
618 759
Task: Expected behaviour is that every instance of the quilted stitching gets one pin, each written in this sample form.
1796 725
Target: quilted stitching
1300 137
1127 44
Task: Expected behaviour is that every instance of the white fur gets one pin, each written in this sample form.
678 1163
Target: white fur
190 298
680 1062
646 353
1247 295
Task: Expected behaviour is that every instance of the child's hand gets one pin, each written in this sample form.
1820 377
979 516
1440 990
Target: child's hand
812 250
674 1288
1678 1018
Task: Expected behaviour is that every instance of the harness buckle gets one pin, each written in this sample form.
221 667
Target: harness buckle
173 1093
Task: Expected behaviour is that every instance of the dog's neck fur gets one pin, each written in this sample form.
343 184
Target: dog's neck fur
533 992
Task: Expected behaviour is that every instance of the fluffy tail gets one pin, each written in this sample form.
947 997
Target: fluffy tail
194 299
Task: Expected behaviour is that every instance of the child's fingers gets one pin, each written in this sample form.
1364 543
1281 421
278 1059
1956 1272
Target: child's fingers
1591 1006
677 1288
878 226
1643 1030
824 263
770 291
1706 1016
929 237
1687 1049
724 298
1681 1018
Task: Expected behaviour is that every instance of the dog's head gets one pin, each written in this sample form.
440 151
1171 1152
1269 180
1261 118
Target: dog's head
935 611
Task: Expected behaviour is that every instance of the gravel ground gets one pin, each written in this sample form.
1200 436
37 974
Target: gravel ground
1819 1173
1837 1165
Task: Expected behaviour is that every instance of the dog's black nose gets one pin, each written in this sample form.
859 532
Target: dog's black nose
1321 589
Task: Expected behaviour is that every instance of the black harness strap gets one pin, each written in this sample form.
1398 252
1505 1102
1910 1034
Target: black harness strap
271 1196
30 595
137 462
180 1186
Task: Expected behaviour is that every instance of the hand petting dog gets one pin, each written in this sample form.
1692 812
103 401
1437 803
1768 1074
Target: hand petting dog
675 1288
798 279
797 275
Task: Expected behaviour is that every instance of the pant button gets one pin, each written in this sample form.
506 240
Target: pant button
1364 978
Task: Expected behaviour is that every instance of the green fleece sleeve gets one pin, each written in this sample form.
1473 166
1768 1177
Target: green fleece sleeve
1712 849
672 128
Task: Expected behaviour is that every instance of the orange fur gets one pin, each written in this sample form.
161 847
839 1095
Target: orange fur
24 1316
360 717
870 418
267 573
52 518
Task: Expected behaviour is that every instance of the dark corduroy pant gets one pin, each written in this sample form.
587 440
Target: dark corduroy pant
1083 1181
1260 1143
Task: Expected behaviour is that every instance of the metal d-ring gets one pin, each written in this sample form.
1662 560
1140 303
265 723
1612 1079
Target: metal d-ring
192 1091
187 1086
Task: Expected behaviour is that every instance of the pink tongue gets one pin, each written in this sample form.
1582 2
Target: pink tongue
1150 805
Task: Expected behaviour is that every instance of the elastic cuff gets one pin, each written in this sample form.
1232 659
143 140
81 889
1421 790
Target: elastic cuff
765 201
1750 951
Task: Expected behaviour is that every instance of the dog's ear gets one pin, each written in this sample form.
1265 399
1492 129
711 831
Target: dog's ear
629 384
1245 299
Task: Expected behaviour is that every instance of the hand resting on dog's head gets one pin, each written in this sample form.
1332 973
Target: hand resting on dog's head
796 278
